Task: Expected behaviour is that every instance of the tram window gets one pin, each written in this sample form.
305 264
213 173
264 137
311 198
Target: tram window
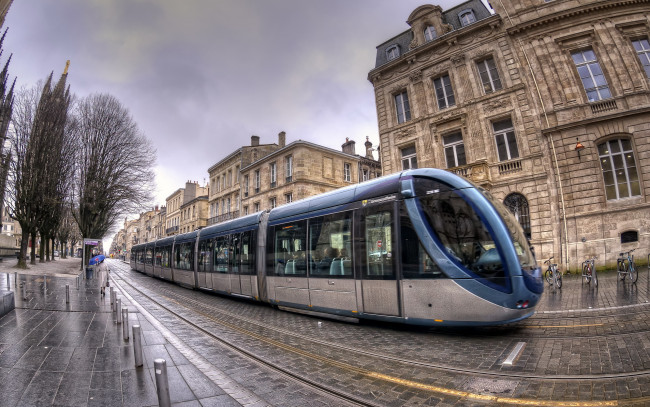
157 257
220 254
330 248
165 256
379 245
204 255
247 253
416 262
149 258
461 231
183 256
289 246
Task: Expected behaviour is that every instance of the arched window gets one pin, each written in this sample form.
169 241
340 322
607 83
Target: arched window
466 17
518 205
619 169
392 52
430 33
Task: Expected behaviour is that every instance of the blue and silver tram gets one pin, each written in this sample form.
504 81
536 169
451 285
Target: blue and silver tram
422 247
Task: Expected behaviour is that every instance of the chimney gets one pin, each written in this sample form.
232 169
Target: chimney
282 139
255 141
348 146
369 149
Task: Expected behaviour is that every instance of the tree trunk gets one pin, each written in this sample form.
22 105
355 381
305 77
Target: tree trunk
33 251
41 249
22 256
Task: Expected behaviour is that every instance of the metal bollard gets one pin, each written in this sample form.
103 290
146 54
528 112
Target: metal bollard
137 345
77 282
118 311
8 282
112 296
67 293
24 287
125 323
162 383
16 279
45 283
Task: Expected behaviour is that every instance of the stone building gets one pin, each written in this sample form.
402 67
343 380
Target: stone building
224 198
179 213
544 103
302 169
194 213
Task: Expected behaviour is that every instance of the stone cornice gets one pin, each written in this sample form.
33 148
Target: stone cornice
594 119
567 14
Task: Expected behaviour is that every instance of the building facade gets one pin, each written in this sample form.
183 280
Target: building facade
225 178
302 169
544 103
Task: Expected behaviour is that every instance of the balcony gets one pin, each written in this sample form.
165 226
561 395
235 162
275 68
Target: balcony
173 229
509 167
478 172
222 218
289 179
605 106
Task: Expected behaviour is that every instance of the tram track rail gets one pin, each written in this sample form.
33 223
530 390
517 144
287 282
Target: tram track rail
210 311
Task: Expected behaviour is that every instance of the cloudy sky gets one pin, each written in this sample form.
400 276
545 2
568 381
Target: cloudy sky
201 76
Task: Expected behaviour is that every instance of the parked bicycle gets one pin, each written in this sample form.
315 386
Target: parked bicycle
625 266
552 274
589 271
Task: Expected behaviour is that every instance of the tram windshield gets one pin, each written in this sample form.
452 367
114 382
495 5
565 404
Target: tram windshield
464 234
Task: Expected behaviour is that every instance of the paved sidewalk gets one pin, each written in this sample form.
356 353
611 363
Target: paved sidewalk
54 352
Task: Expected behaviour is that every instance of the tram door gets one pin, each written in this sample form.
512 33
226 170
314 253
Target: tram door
234 260
378 283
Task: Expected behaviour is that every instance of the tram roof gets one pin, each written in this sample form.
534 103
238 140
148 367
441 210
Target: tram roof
242 223
357 192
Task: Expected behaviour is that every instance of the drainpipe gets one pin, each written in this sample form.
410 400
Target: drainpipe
557 168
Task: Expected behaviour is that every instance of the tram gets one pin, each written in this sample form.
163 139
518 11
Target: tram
422 247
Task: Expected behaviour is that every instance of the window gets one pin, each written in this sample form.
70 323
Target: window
245 186
246 210
204 255
392 52
487 69
289 168
288 198
466 17
257 181
272 202
444 92
377 225
403 109
274 175
183 256
454 150
220 255
593 79
518 205
365 175
256 205
228 205
504 135
619 169
288 249
430 33
409 158
346 172
629 236
330 246
642 48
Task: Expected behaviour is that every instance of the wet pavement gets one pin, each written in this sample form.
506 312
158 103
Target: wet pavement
73 353
58 353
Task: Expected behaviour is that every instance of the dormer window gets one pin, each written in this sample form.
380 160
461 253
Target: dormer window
430 33
466 17
392 52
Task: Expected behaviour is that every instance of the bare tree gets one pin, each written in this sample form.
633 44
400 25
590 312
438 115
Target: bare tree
114 175
40 154
6 107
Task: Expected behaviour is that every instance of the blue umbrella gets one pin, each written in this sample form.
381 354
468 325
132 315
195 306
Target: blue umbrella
96 260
